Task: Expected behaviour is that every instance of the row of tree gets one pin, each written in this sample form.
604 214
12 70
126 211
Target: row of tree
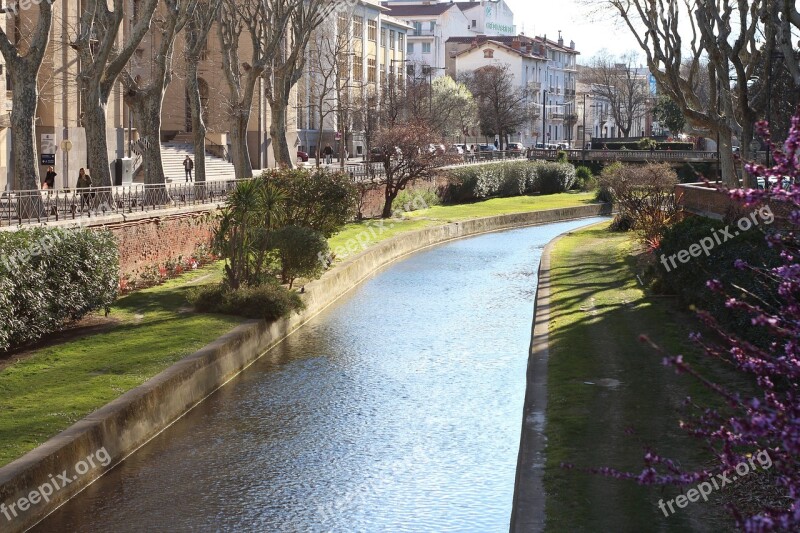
257 51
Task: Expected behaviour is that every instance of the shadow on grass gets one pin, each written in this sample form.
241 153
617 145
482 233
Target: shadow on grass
609 396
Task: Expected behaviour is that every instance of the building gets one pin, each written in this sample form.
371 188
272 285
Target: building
435 22
545 69
335 97
601 121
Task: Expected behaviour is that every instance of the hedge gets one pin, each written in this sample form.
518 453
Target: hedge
49 277
507 179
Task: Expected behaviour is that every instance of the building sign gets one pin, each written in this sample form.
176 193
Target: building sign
653 86
48 159
502 28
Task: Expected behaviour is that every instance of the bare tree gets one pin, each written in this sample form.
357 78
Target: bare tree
502 105
102 60
263 22
23 64
198 28
785 17
407 156
146 97
617 82
286 68
680 39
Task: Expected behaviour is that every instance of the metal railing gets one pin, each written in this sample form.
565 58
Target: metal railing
627 155
39 206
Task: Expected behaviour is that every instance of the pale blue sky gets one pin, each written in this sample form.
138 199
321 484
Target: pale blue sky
590 31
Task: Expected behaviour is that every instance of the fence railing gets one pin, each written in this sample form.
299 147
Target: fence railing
627 155
38 206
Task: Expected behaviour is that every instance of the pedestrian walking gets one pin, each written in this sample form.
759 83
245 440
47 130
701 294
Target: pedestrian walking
188 166
49 181
84 186
328 153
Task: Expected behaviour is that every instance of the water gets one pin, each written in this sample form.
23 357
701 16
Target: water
398 409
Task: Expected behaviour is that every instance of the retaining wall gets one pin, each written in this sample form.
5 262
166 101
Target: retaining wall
129 422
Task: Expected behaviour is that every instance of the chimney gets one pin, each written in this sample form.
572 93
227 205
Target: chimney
560 39
516 44
572 45
529 48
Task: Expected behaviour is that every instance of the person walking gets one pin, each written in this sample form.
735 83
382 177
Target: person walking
49 181
84 185
328 153
188 166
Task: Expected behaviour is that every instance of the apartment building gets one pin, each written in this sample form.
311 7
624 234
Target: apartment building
435 22
353 57
545 69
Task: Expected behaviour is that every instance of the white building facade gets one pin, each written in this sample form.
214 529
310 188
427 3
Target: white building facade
436 21
545 69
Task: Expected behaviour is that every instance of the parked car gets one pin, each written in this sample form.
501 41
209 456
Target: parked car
487 148
376 155
786 183
458 149
516 147
302 156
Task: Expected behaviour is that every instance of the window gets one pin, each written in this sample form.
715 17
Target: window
343 25
417 28
488 53
474 23
358 27
410 48
433 25
401 41
391 40
372 30
426 48
383 37
372 70
358 68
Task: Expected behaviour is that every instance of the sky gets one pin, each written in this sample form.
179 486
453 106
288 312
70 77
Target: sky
591 33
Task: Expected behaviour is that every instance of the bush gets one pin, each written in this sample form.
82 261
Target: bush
646 144
301 252
584 178
561 157
267 302
688 281
51 277
645 193
554 178
415 199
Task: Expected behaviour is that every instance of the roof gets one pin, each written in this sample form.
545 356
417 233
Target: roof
508 39
503 46
417 10
463 6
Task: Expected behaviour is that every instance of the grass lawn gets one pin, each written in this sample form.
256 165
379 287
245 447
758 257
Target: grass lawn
58 385
603 383
358 236
53 386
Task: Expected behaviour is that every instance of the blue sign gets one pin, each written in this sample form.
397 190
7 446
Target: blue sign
48 159
653 86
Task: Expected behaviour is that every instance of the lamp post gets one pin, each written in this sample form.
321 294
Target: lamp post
430 86
583 136
544 118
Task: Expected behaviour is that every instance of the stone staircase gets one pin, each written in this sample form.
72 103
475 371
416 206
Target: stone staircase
174 152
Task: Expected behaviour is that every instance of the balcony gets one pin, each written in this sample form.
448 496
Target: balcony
534 85
557 115
423 33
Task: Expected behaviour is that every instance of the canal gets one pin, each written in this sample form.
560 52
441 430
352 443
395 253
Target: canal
397 409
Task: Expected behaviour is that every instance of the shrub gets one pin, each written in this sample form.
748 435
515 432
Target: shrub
267 302
487 181
561 157
515 178
645 193
321 200
415 199
51 277
301 251
584 178
554 178
646 144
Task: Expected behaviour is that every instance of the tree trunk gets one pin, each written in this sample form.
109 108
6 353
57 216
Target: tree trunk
729 177
277 132
241 155
748 133
198 122
94 120
389 195
23 124
147 115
